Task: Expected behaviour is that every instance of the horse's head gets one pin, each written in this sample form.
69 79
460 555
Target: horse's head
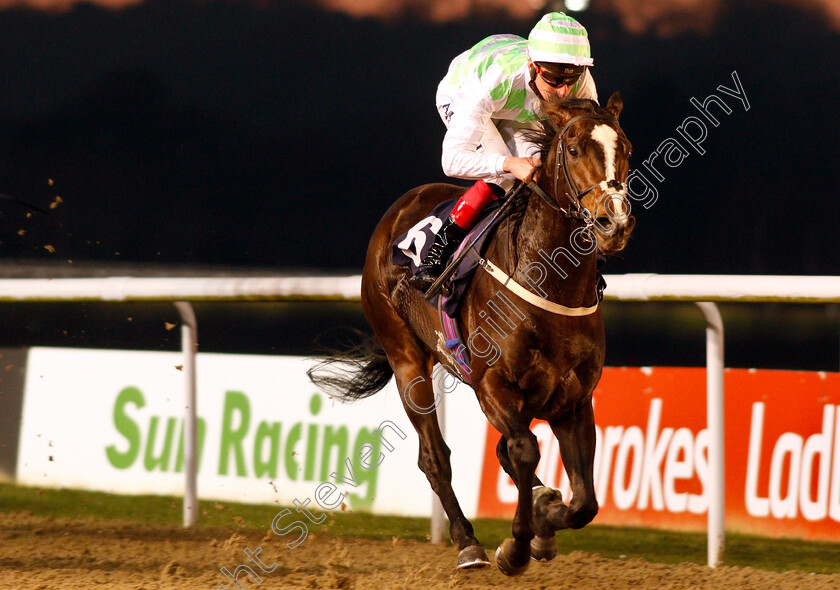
585 167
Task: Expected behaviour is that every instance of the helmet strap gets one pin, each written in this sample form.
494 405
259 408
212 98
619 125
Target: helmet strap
533 82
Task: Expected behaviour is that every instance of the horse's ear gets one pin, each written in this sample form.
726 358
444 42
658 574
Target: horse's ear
615 105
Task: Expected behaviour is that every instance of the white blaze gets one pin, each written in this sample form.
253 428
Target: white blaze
608 138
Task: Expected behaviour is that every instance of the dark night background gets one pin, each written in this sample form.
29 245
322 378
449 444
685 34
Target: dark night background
222 134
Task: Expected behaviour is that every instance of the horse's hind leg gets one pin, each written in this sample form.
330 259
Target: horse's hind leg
419 402
575 432
412 367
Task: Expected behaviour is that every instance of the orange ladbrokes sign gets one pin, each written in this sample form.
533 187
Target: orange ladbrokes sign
782 452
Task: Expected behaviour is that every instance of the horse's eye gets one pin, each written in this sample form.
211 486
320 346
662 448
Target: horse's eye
572 152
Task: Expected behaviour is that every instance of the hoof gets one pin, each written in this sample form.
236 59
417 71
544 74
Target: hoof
502 562
472 557
543 548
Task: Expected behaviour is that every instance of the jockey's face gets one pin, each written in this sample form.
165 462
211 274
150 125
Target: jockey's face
548 89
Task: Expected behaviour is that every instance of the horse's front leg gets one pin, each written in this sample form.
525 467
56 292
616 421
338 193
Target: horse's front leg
501 404
575 431
504 461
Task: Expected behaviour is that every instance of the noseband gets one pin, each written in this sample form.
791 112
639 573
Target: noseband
576 210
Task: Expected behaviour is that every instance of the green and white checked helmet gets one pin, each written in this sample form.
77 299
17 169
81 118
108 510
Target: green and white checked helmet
559 38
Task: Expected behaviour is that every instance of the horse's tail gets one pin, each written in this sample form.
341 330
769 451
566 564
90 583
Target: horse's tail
353 374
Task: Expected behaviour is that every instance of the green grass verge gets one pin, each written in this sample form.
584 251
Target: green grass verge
608 541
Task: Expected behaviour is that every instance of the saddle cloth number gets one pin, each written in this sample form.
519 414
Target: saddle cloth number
416 238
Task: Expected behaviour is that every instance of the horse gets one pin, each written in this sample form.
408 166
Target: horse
548 365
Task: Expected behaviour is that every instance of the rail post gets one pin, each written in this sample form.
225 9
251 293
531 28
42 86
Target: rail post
714 420
189 346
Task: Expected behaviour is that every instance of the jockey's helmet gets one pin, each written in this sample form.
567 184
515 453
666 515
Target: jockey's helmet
560 39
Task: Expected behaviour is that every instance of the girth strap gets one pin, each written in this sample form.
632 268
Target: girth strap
506 280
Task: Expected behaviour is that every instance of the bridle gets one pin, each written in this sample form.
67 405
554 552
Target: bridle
576 209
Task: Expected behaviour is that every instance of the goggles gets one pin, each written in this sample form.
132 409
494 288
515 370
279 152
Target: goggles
556 80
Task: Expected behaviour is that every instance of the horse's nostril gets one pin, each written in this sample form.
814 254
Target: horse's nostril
605 223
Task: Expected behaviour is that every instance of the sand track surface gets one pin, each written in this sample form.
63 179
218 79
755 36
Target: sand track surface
43 553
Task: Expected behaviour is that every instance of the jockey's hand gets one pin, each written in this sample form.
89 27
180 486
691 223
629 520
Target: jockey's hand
522 168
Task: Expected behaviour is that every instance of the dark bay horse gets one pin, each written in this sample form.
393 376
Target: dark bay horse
548 361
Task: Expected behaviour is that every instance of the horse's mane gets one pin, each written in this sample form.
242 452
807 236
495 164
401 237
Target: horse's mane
543 138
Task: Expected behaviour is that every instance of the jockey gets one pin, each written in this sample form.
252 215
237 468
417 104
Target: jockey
488 101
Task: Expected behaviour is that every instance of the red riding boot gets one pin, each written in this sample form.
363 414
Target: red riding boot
465 214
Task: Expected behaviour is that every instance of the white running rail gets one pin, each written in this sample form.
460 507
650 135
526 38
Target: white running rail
701 289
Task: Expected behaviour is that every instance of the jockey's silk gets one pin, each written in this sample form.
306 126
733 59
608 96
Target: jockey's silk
487 88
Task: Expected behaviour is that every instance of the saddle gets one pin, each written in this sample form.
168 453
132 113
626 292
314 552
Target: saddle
409 249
